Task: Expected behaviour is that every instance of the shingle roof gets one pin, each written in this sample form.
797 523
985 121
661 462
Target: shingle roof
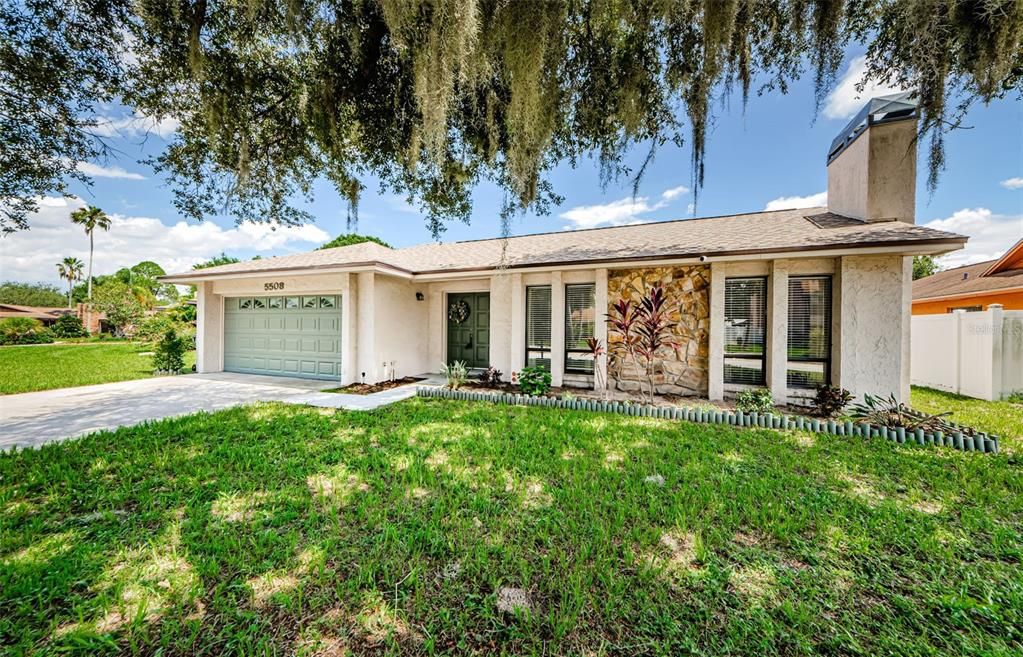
968 279
753 233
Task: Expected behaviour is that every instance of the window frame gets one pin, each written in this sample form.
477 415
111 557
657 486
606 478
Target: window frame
762 357
829 326
544 352
578 350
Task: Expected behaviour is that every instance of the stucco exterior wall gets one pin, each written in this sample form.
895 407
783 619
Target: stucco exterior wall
682 370
400 328
874 338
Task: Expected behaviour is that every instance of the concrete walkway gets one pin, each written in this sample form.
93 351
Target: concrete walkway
34 418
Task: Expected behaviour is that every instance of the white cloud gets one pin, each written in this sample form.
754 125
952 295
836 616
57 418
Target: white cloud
32 255
622 212
616 213
135 125
1012 183
817 200
674 192
990 234
846 100
97 171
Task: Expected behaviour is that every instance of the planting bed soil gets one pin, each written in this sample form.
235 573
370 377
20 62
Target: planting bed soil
370 388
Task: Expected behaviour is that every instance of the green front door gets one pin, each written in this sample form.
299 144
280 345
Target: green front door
469 332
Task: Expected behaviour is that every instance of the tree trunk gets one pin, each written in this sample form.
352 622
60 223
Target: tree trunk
90 265
70 288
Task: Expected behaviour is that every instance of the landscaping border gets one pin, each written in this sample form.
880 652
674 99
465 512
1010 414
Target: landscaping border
980 442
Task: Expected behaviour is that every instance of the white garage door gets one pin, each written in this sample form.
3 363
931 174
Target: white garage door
284 336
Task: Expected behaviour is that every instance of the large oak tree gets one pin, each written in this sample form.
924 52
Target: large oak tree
433 97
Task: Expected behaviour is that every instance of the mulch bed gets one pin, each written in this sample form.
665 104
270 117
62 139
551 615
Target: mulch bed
370 388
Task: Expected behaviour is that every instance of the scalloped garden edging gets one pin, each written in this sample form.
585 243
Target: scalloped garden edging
981 442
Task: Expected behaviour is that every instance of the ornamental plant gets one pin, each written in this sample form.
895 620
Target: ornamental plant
457 373
830 400
645 328
534 381
69 326
169 353
754 401
24 330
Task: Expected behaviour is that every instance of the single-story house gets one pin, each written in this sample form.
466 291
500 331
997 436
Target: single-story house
973 287
787 299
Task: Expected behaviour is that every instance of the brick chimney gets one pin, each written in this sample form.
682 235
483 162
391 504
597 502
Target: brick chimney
872 162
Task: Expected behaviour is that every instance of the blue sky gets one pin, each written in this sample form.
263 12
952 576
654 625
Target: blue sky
774 150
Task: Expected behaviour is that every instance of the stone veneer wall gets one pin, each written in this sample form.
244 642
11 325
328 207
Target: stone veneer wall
682 371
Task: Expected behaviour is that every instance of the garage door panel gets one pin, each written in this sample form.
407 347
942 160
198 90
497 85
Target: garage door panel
272 335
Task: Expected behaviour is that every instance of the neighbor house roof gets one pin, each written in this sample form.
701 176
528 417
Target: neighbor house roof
752 234
32 312
970 280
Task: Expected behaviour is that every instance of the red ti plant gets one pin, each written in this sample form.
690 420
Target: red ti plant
654 329
622 320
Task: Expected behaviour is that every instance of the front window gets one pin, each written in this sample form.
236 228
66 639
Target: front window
809 344
580 315
538 326
745 330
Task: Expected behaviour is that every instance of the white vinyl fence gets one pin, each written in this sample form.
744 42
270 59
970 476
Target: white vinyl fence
977 354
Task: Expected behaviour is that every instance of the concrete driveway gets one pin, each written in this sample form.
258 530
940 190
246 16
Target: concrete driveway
35 418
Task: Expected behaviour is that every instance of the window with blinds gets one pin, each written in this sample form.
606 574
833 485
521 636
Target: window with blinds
809 343
538 326
745 330
580 315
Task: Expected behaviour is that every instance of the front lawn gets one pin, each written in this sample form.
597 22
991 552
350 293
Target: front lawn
44 367
1002 418
277 529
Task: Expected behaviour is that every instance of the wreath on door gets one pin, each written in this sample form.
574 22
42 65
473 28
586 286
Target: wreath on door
458 312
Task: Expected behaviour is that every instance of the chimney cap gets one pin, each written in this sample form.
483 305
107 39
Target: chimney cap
883 109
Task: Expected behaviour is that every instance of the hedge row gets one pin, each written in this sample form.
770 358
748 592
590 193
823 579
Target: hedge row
980 442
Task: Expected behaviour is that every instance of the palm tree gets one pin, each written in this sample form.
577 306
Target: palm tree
91 218
70 270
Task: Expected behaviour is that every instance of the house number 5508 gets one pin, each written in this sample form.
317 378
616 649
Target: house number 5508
276 285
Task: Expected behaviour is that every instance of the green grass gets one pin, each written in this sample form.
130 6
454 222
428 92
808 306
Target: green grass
1004 419
278 529
45 367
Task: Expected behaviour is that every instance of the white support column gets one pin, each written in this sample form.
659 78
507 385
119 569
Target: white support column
778 331
349 329
716 342
599 325
557 329
209 338
365 319
518 326
500 321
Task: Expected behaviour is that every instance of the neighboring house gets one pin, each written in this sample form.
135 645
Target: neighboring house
91 320
785 299
973 287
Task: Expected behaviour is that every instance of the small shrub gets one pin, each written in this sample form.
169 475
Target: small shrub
754 401
534 381
69 326
568 396
457 373
490 376
1015 398
170 353
830 400
24 330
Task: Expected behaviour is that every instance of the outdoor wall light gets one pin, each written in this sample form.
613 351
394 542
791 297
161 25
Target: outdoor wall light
420 296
